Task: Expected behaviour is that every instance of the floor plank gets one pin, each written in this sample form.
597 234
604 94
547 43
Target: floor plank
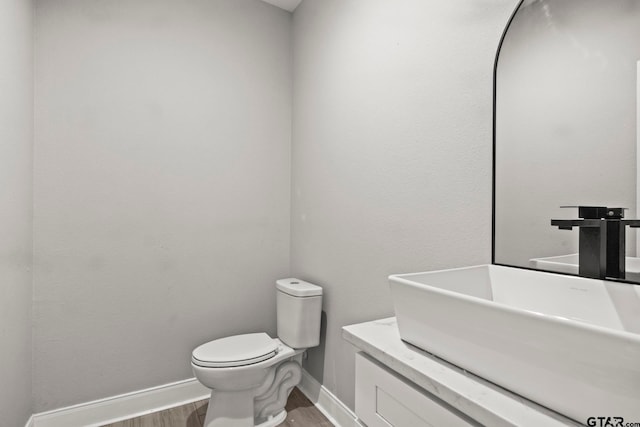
300 413
201 409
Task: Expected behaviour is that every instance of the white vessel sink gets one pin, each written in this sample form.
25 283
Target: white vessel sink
569 264
569 343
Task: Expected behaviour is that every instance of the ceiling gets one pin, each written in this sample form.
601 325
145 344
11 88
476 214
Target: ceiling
289 5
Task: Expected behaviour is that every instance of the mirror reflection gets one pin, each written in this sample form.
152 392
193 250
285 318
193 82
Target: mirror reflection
566 137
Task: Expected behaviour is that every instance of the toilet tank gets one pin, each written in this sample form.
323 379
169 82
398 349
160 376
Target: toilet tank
299 306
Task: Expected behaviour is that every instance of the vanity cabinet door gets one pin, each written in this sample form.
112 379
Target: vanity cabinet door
384 398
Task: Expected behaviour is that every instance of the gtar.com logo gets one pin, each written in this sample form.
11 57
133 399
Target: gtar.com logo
605 422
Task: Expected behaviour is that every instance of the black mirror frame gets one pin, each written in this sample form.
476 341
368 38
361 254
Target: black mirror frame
493 158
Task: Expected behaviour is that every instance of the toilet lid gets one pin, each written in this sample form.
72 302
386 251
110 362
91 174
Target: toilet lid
237 350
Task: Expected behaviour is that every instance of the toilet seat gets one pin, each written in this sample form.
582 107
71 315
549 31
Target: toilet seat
237 350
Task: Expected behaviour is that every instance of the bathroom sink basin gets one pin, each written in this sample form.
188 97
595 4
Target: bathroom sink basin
569 264
569 343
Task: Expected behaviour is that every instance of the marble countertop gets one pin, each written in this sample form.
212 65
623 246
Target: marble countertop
479 399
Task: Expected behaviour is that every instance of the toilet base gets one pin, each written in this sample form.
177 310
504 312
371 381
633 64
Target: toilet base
230 409
241 415
255 407
275 420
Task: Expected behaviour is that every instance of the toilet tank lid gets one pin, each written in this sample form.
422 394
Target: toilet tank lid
298 288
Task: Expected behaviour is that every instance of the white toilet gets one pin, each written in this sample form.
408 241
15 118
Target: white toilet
251 375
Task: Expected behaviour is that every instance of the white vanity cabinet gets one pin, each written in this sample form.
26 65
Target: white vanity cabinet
400 385
384 399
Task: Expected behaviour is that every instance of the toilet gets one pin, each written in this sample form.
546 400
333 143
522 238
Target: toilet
251 375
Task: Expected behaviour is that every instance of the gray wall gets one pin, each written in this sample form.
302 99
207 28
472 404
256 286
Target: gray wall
163 190
16 153
391 152
162 186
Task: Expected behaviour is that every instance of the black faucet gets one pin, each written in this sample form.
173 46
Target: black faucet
601 242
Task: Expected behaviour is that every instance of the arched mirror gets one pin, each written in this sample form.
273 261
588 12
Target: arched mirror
566 135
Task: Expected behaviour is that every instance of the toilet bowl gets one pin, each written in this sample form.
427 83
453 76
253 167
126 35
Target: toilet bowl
251 375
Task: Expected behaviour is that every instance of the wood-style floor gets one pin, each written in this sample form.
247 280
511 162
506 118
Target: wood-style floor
300 413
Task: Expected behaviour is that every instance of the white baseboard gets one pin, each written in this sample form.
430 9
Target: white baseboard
138 403
125 406
327 403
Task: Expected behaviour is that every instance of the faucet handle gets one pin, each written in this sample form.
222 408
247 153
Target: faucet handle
598 212
616 213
